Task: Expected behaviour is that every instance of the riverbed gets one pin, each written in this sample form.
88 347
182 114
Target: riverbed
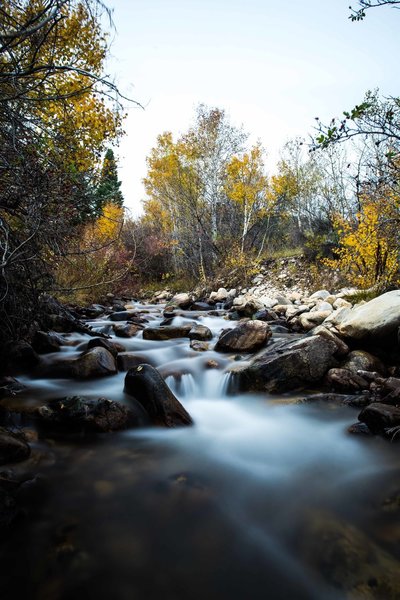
261 498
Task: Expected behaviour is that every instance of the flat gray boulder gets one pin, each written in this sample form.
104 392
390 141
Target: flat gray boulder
376 320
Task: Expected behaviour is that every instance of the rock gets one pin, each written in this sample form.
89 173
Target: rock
265 314
378 416
200 332
167 332
126 331
345 381
45 342
311 319
179 301
201 306
95 362
112 347
294 311
95 310
222 295
10 386
288 365
247 337
342 347
359 360
247 305
122 315
147 386
267 301
320 295
199 346
348 560
76 413
341 303
332 398
375 321
13 448
20 355
128 360
322 307
359 429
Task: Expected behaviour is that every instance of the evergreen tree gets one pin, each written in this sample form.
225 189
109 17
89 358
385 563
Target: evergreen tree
108 190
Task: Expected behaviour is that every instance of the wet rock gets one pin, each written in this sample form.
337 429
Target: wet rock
20 356
76 413
349 560
96 362
166 332
112 347
200 332
201 306
332 398
44 342
345 381
13 448
375 321
126 331
199 346
121 315
9 386
379 416
288 365
359 360
247 337
360 429
128 360
147 386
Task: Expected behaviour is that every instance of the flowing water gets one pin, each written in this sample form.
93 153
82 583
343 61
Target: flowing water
262 498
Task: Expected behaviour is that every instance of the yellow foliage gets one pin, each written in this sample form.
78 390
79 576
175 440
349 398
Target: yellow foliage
369 249
108 226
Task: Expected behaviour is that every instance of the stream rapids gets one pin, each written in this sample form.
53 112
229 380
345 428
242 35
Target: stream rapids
261 498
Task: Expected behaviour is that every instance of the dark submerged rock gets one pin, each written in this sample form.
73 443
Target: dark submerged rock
44 342
346 381
147 386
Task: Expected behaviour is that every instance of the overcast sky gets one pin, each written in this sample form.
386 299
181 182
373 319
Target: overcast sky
272 65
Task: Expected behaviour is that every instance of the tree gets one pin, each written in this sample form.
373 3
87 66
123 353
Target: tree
108 190
246 186
57 111
359 14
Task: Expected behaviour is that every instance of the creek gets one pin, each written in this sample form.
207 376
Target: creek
261 498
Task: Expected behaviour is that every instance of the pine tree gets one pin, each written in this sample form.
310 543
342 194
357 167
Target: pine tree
108 190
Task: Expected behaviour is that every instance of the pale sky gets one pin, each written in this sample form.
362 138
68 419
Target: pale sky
272 65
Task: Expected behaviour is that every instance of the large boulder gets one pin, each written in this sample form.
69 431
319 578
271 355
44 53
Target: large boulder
360 360
44 342
375 321
166 332
76 413
147 386
247 337
112 347
288 365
